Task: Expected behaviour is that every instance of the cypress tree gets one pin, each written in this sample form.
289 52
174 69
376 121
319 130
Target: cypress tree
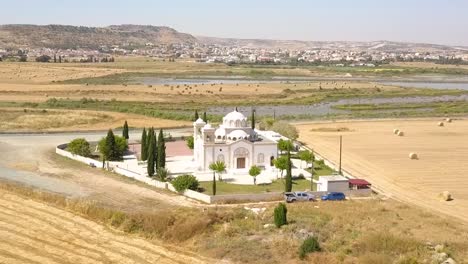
214 183
280 215
60 58
150 164
288 185
161 157
125 131
148 140
111 146
204 117
196 115
55 58
155 150
253 119
143 145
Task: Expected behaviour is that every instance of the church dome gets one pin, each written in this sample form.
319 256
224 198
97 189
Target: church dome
238 134
220 132
199 122
235 119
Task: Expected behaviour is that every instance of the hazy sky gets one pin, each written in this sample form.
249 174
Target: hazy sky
431 21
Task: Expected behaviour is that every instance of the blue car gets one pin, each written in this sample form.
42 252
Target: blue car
334 196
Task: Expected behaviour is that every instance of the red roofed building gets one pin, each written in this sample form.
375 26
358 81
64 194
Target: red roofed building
356 184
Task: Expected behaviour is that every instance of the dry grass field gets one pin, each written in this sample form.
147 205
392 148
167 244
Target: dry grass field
180 93
36 73
34 232
373 152
38 82
13 119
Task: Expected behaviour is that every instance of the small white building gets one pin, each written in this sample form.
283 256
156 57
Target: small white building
334 183
234 142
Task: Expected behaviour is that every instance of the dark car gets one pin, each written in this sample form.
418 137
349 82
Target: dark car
334 196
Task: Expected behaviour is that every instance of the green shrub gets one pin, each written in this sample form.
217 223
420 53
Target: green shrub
185 182
80 147
309 245
190 142
280 215
118 150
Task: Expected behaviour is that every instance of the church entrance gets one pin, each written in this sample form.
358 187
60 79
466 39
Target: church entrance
241 163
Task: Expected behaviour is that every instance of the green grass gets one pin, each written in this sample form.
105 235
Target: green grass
276 186
229 188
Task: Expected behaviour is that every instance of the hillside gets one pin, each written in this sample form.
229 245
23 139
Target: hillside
389 46
64 37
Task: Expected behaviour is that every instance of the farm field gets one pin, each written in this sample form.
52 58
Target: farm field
24 120
373 152
34 232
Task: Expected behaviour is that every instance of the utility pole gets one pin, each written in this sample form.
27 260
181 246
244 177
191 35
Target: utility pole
341 148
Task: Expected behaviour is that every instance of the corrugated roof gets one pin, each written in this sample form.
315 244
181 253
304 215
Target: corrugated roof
360 182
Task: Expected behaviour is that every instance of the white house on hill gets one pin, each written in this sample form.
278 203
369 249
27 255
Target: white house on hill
234 142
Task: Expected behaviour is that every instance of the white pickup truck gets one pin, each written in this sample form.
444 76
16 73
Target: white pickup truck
291 197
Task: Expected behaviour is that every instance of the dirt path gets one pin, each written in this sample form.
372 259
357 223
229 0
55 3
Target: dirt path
36 233
373 152
34 156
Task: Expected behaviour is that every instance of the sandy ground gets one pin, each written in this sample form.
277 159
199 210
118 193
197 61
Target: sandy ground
373 152
33 232
13 119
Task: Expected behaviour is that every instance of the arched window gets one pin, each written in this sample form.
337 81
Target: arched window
238 124
220 158
231 123
261 158
243 123
219 137
234 138
241 152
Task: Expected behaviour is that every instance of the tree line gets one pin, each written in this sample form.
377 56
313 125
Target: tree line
153 151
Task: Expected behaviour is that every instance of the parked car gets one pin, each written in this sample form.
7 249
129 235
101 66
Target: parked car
291 197
92 165
334 196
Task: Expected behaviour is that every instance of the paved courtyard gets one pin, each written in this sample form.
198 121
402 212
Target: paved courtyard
180 161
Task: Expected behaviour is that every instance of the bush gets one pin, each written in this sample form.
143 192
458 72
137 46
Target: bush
190 142
120 147
280 215
43 58
185 182
309 245
285 129
80 147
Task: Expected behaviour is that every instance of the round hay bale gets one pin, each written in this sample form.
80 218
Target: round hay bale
395 131
441 124
446 196
413 156
448 120
401 133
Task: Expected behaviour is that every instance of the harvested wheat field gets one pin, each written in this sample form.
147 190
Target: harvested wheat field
372 151
33 232
20 120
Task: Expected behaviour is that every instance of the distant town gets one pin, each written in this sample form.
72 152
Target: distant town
233 54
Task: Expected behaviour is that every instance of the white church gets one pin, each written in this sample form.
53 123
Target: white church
234 142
